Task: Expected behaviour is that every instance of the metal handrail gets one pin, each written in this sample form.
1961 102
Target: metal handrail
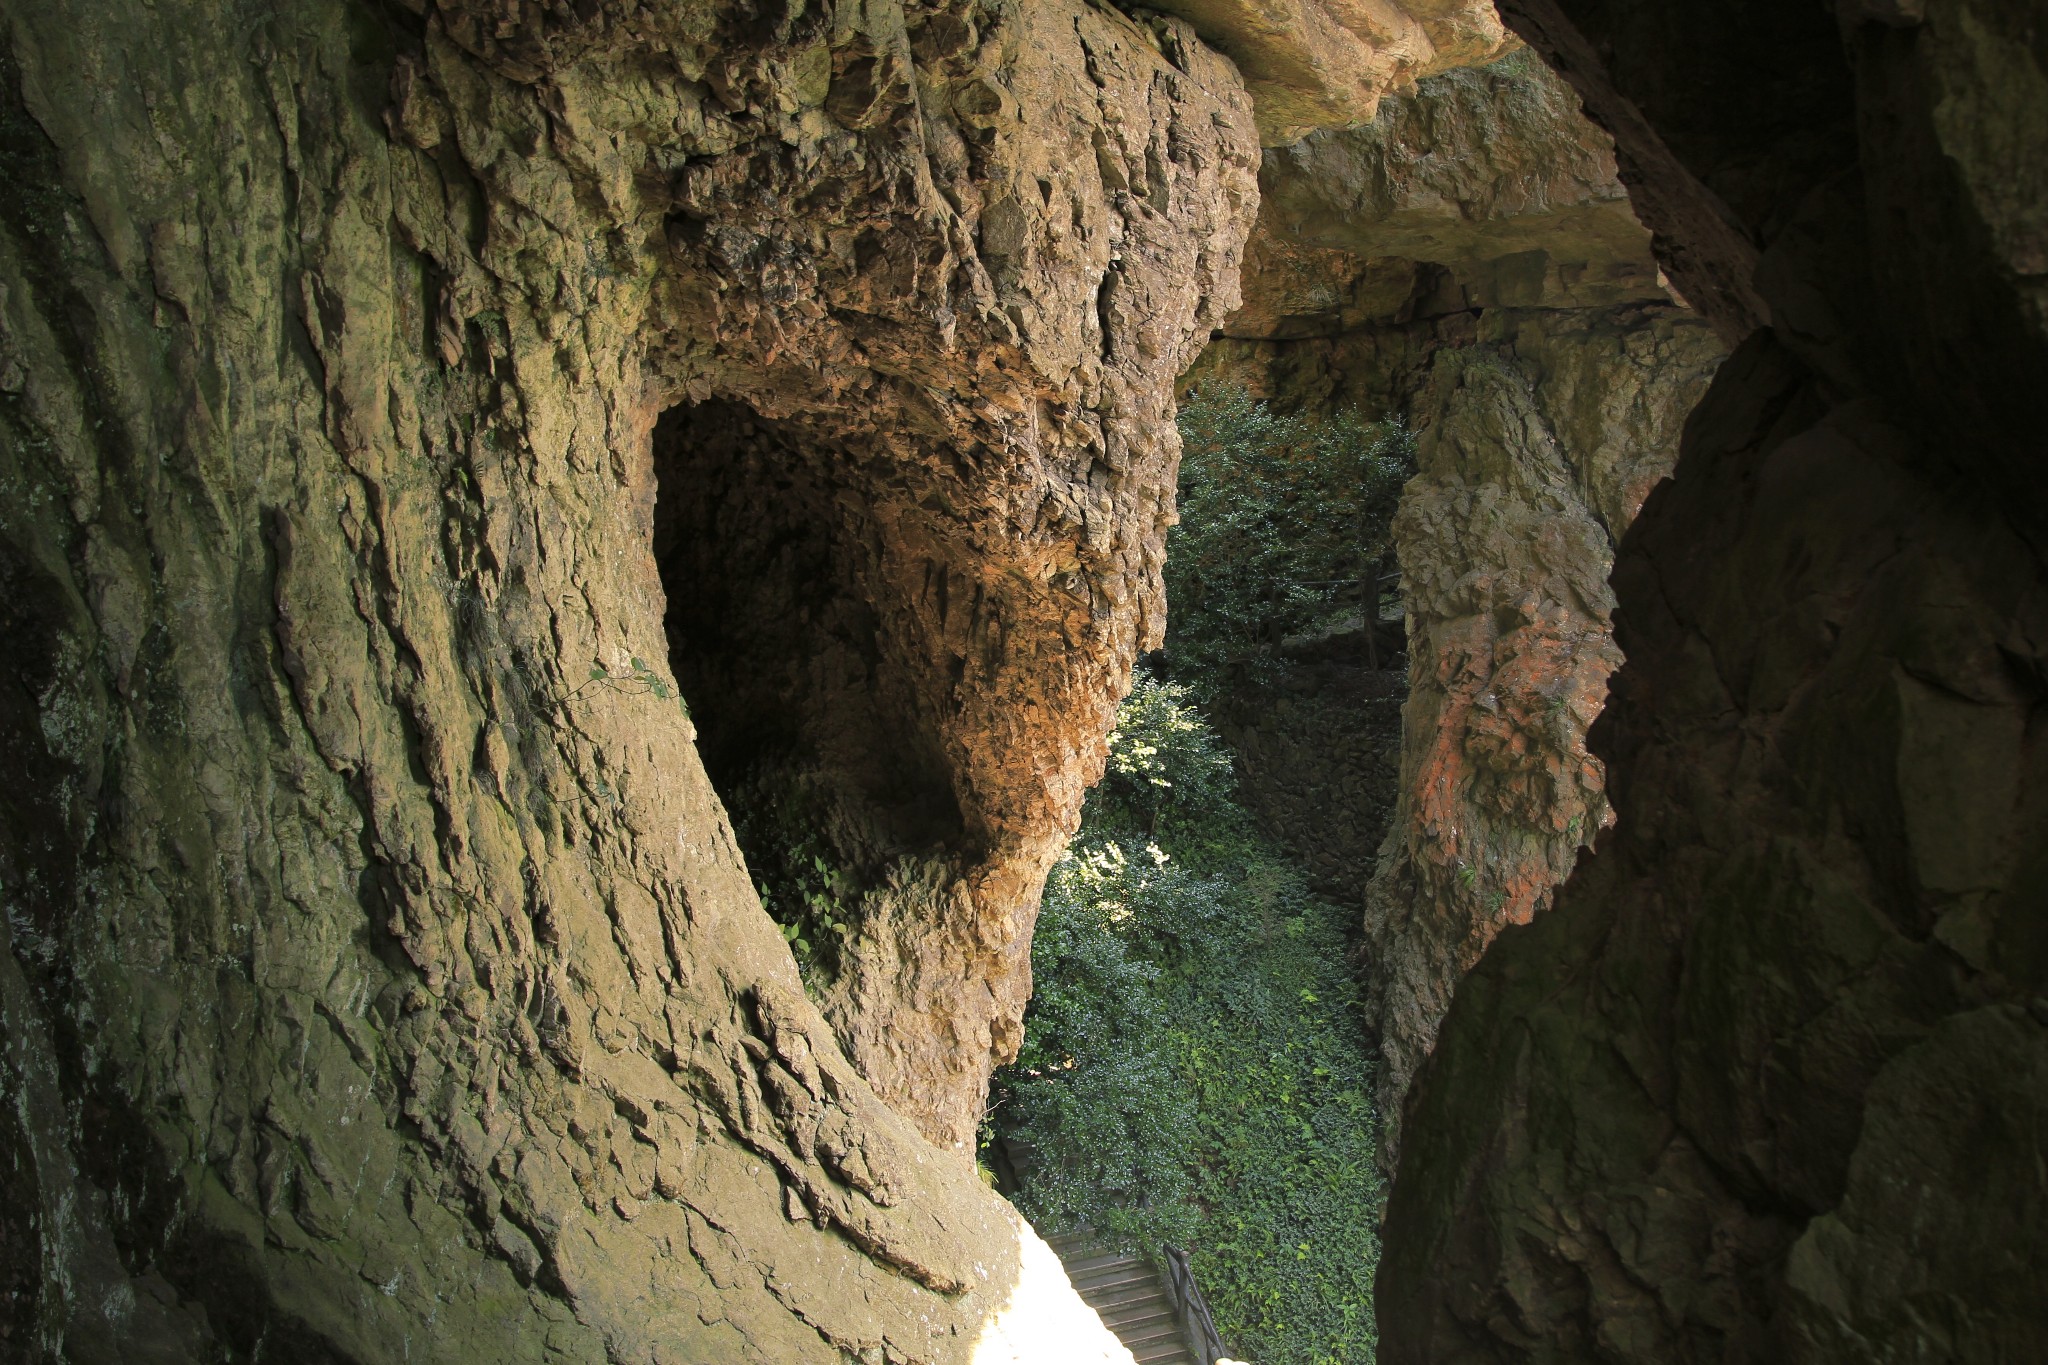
1195 1323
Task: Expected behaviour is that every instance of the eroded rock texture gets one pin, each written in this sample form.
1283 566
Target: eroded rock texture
1482 188
1534 455
1480 197
382 981
960 361
1765 1084
1470 259
1316 64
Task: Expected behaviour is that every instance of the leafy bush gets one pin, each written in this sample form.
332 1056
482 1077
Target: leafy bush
803 877
1163 757
1193 1069
1284 530
1095 1091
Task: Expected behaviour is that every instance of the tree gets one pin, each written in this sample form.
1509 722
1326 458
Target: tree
1284 530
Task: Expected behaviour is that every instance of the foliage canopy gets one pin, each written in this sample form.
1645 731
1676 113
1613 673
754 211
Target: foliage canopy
1284 531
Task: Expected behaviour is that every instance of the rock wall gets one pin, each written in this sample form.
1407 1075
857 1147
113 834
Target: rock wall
978 428
1484 190
1470 259
1766 1084
381 980
1317 64
1535 453
1490 183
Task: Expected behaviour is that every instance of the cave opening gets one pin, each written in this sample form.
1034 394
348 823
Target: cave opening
1195 1086
353 937
767 557
1385 678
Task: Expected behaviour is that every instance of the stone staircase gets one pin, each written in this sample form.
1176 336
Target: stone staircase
1131 1298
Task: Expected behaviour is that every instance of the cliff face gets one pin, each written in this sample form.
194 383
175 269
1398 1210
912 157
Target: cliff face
1470 257
1766 1082
1535 454
382 980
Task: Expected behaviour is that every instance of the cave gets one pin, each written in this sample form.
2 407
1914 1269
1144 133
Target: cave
405 406
777 644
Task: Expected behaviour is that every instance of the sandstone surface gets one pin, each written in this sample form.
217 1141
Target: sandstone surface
1764 1085
1316 64
381 978
916 590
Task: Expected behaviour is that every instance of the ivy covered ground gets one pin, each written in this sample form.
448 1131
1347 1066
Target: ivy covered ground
1194 1069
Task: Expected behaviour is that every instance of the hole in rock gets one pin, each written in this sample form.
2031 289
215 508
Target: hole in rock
768 554
1195 1073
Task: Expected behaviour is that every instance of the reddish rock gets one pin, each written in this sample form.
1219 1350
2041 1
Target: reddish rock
1533 456
1765 1083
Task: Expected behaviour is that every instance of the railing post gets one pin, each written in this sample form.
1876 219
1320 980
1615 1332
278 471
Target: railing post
1196 1325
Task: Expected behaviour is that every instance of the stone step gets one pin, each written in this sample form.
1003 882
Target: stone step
1088 1267
1142 1323
1106 1296
1175 1353
1102 1277
1162 1314
1130 1297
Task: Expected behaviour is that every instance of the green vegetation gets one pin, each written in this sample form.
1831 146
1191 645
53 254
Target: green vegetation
1164 760
1284 531
800 874
635 680
1194 1069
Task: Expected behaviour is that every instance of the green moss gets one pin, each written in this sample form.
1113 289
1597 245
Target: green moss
1521 65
